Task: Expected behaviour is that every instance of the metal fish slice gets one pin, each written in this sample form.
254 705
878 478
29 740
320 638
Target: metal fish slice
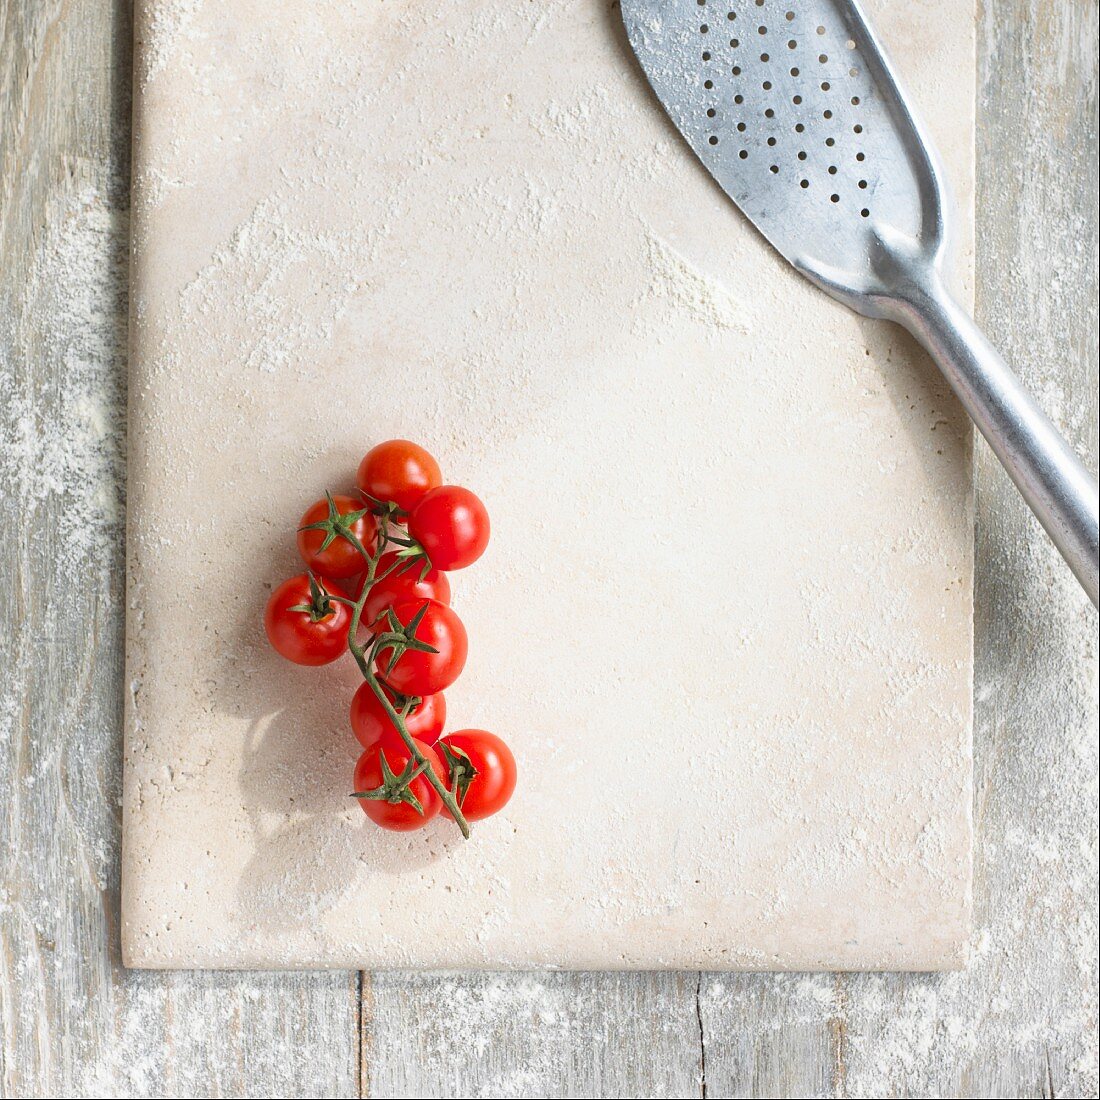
796 112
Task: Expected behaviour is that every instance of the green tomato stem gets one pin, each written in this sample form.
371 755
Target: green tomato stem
364 658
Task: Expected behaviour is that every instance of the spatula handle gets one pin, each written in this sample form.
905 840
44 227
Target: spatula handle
1047 472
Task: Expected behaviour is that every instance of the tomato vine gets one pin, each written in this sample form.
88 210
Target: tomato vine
365 658
399 535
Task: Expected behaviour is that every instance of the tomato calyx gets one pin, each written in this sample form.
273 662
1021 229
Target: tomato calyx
384 509
460 769
400 637
396 788
402 703
336 526
408 556
320 601
411 551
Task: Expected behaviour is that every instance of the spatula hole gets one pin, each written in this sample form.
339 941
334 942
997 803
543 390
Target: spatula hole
826 114
804 183
736 70
855 101
799 128
744 154
857 129
738 99
703 28
769 113
765 58
740 127
762 30
796 100
823 57
832 169
790 17
794 72
767 85
708 83
825 85
774 169
712 139
865 213
792 45
860 156
734 43
771 141
711 112
802 154
820 30
731 15
706 55
863 185
834 198
830 142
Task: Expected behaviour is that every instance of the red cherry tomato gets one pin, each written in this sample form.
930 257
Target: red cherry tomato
397 813
371 723
399 471
340 558
314 636
452 526
403 583
483 775
419 673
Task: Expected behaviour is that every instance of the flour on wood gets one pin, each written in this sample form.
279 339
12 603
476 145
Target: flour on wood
532 255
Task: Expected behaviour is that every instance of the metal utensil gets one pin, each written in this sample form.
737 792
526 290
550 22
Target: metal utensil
795 110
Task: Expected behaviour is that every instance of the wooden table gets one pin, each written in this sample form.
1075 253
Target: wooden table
1020 1021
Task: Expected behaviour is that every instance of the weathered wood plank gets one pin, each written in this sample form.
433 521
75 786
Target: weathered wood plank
74 1022
772 1035
1020 1021
532 1035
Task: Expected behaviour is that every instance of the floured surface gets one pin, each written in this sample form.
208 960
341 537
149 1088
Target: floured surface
731 549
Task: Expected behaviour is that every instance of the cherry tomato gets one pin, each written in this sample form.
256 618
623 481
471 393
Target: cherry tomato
371 723
396 812
452 526
314 636
404 583
340 558
399 471
417 672
483 774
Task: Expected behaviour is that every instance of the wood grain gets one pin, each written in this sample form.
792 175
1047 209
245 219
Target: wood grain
1020 1021
74 1022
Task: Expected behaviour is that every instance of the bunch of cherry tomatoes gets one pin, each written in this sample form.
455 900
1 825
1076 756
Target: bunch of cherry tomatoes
376 586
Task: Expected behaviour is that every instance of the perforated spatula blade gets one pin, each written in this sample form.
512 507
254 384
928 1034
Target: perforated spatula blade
794 109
